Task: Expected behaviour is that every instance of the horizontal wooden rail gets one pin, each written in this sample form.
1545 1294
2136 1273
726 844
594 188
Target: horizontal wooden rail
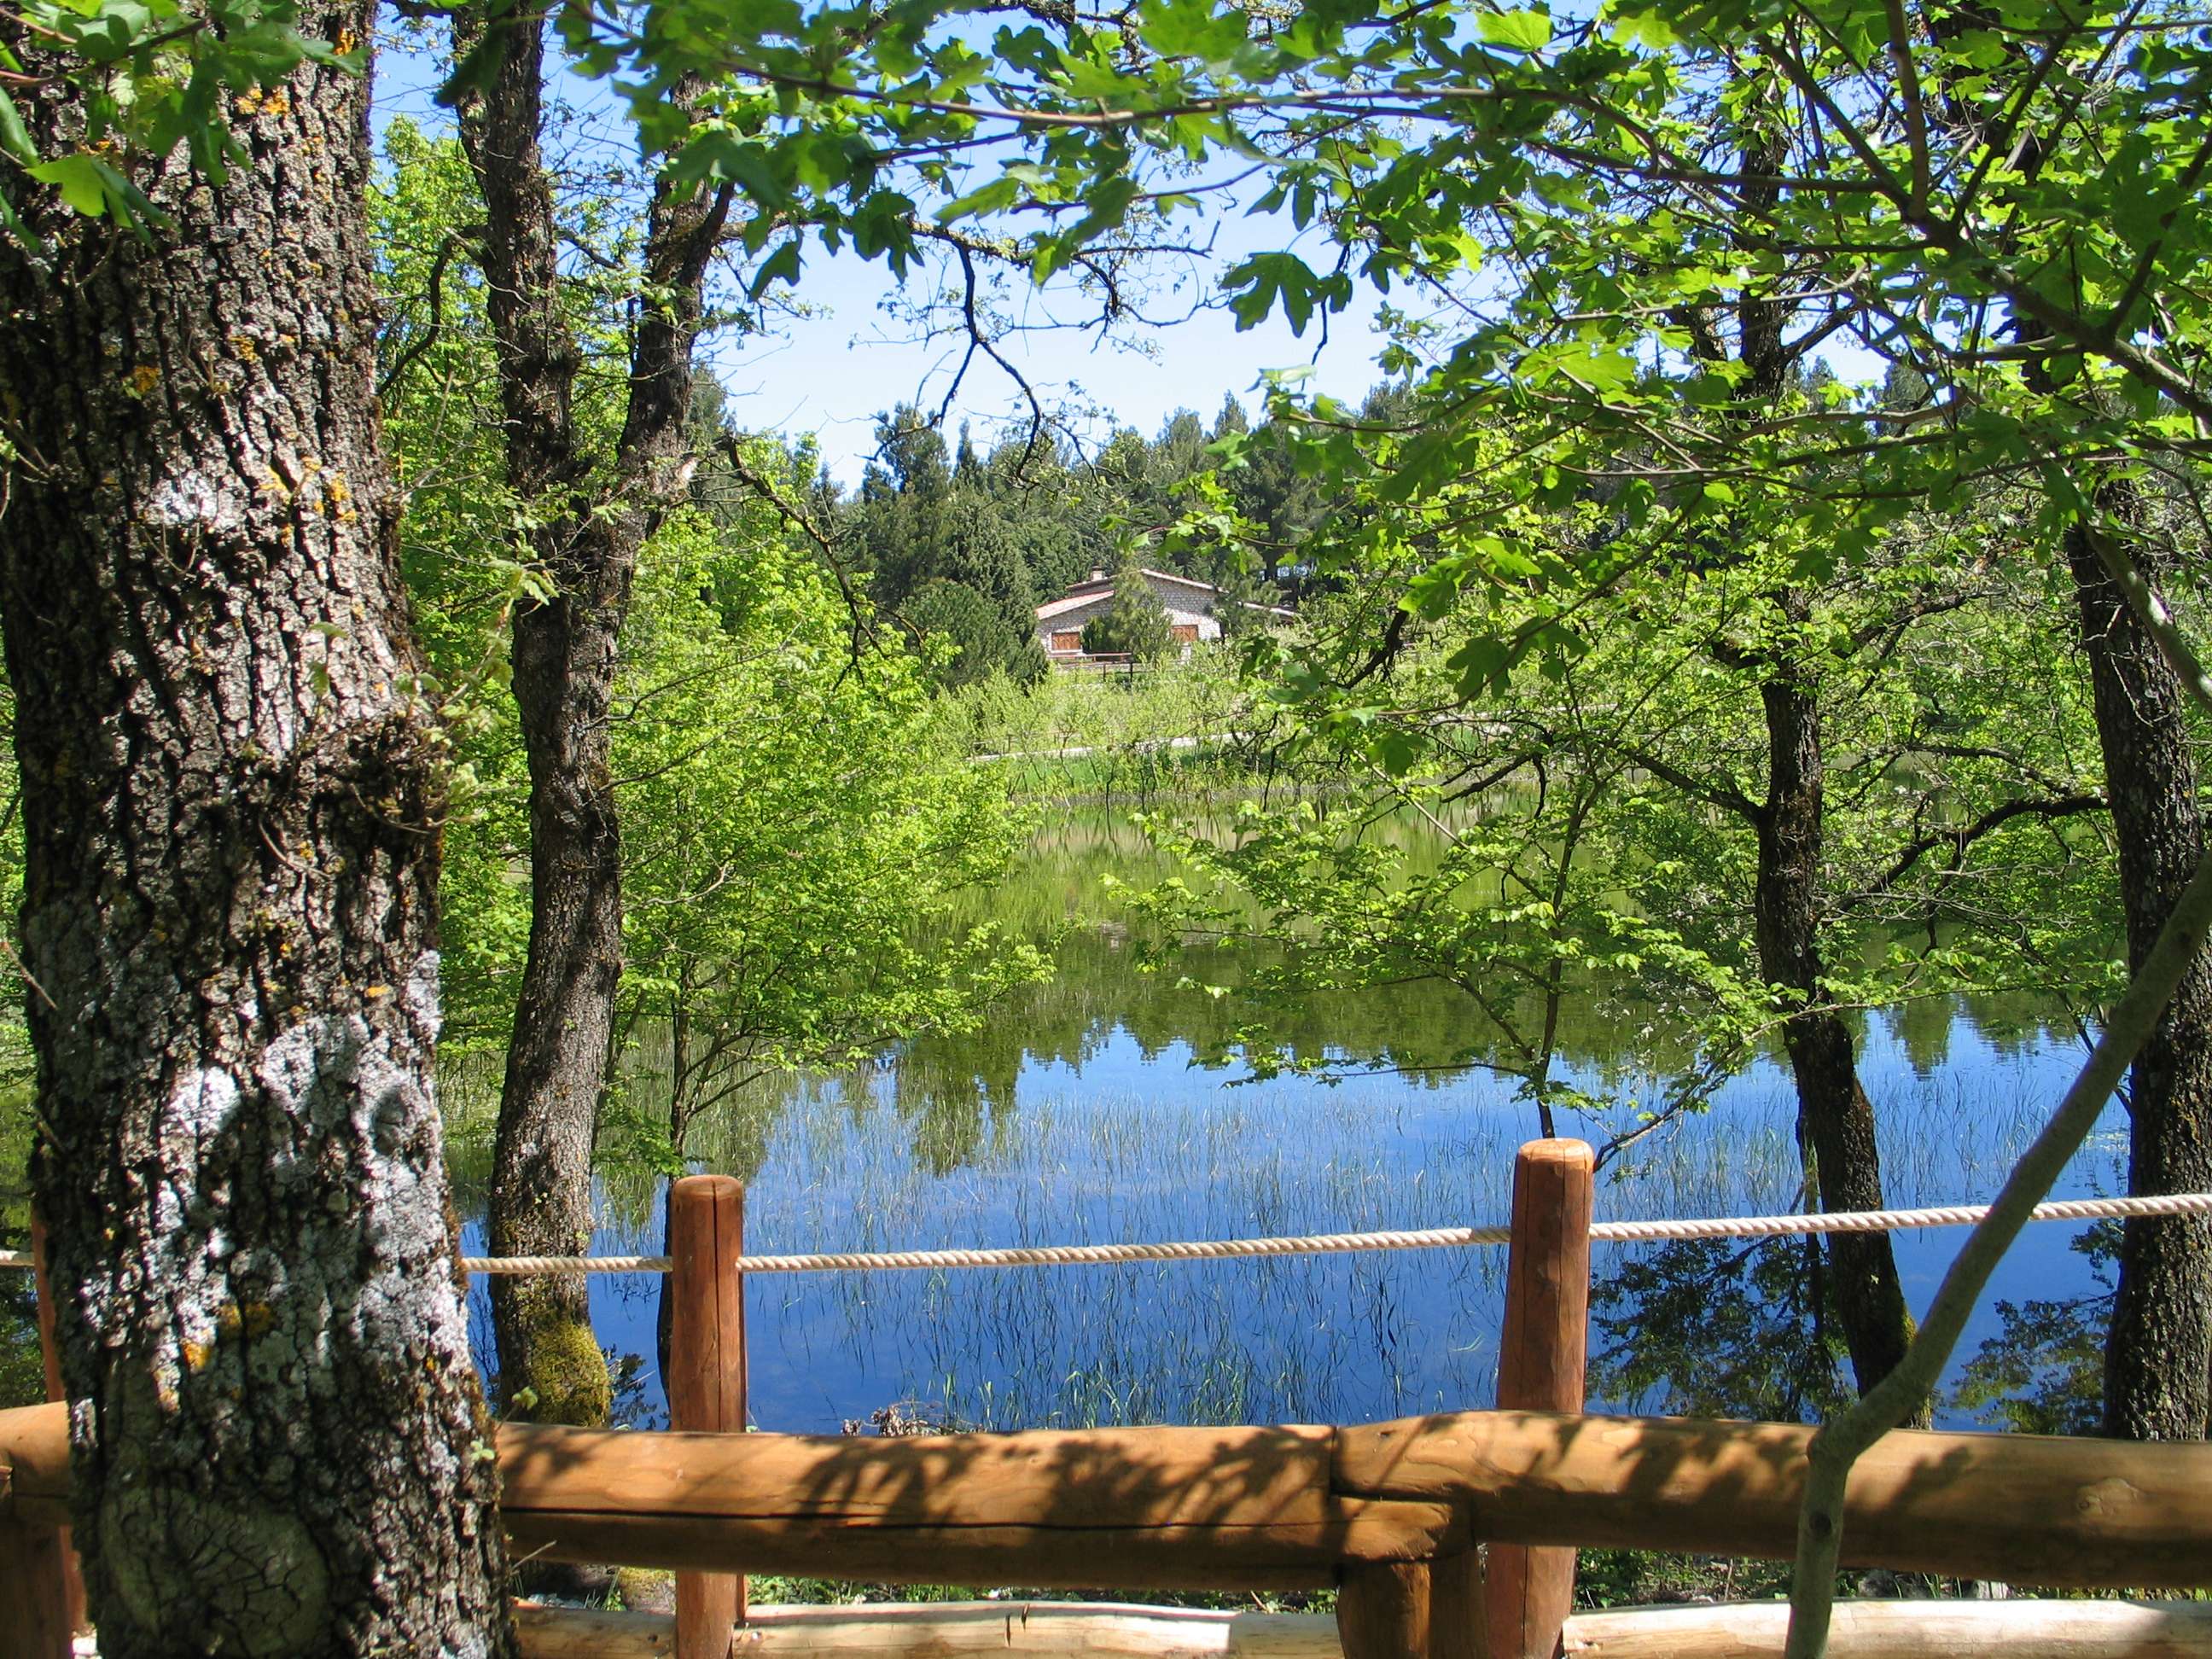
1163 1508
2025 1509
1044 1630
1263 1508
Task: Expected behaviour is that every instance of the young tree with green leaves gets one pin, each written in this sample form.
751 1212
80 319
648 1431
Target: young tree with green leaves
802 835
591 493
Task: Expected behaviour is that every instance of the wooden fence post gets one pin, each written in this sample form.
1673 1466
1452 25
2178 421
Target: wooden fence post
707 1374
1530 1591
1383 1610
40 1587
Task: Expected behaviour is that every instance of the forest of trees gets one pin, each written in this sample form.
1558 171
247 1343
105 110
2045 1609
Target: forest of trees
407 644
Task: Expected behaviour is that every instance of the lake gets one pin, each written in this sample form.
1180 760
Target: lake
1080 1114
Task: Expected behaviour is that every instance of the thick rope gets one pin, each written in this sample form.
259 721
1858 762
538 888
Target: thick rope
1428 1238
534 1267
1885 1221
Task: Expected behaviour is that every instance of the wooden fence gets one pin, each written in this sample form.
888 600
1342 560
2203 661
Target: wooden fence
1392 1514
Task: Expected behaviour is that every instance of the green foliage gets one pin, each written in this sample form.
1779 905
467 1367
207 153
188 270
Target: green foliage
795 840
1027 520
1200 697
795 832
955 615
800 841
147 77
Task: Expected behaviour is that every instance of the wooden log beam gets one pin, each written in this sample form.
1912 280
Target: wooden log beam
2026 1509
1229 1508
1220 1508
1012 1630
1155 1477
1105 1509
34 1466
1289 1556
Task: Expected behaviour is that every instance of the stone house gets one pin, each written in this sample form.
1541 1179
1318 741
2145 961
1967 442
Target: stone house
1192 609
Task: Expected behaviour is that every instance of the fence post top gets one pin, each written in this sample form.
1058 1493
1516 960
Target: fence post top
1558 1149
705 1186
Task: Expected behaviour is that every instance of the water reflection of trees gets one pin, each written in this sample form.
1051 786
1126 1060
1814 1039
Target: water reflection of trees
1724 1328
2043 1372
873 1156
1718 1327
955 1094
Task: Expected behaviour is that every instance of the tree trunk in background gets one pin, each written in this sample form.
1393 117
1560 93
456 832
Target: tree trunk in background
595 518
1836 1115
231 811
2158 1353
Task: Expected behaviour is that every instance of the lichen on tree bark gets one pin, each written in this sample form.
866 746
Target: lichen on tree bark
231 808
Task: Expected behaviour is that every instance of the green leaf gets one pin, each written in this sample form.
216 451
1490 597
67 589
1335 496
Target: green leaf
782 264
1000 193
15 137
12 223
77 178
1517 31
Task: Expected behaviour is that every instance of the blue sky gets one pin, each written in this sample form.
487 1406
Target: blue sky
832 373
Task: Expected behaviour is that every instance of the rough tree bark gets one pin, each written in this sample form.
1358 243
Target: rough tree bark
231 808
594 514
1837 1117
2158 1353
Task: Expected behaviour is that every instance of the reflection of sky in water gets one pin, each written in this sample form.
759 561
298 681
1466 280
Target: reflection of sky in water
1130 1148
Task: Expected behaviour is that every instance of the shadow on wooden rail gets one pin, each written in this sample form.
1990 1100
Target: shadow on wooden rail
1389 1511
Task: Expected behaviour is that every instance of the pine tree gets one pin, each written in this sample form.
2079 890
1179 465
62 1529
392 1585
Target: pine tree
1133 624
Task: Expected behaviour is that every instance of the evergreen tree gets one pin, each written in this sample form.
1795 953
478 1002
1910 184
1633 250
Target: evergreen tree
954 612
1133 624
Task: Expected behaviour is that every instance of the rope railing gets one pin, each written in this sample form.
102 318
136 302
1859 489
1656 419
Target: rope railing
1425 1238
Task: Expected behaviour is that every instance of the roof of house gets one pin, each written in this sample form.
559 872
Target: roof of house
1100 585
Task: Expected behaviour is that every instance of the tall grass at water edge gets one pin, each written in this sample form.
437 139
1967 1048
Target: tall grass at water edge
1345 1338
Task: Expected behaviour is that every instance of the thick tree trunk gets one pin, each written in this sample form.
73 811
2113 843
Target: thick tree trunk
565 661
2158 1354
231 822
1836 1116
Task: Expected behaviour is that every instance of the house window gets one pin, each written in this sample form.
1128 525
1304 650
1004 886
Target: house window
1184 633
1068 639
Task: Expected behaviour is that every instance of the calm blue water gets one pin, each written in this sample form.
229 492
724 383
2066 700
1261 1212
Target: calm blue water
1129 1140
